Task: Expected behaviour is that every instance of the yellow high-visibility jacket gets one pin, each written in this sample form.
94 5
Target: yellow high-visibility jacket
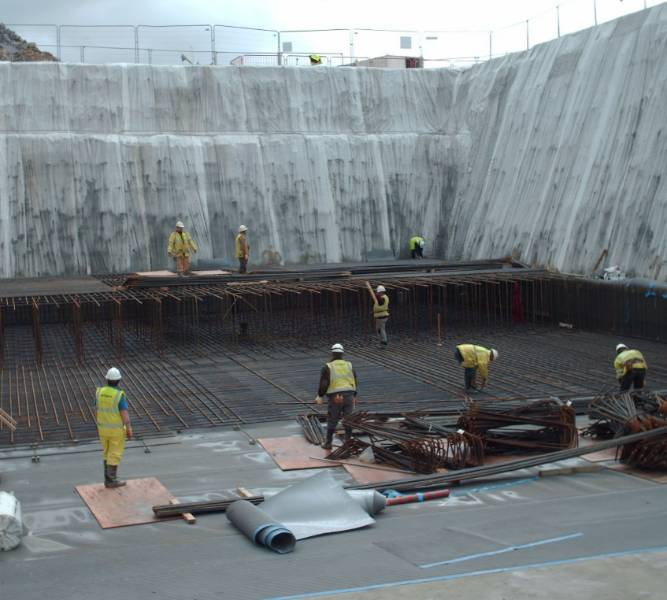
341 377
181 244
415 242
381 308
476 357
628 360
242 246
109 421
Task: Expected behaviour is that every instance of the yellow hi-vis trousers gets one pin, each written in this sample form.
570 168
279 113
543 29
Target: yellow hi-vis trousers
113 448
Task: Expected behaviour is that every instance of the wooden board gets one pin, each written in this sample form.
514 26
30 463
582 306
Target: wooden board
294 452
128 505
364 475
655 476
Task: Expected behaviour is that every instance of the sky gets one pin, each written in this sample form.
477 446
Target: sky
309 14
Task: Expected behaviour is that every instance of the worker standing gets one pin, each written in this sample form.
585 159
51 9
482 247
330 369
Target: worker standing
180 247
242 248
381 313
630 368
338 382
474 360
417 246
113 426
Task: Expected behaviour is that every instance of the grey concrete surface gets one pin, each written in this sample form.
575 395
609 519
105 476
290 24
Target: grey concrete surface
552 154
65 554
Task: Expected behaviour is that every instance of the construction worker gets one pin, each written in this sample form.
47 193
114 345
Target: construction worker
474 360
180 247
338 382
113 426
630 368
315 60
381 313
417 246
242 248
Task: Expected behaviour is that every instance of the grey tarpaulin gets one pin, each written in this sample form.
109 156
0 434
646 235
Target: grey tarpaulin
312 507
260 527
315 506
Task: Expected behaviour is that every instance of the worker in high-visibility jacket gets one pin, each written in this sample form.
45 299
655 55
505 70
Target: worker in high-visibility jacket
242 248
475 360
180 247
381 313
338 382
417 246
113 426
630 368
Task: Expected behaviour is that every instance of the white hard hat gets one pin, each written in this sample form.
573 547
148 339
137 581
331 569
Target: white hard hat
338 348
494 353
380 288
113 374
243 228
179 224
621 347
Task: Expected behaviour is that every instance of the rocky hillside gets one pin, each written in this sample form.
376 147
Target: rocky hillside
14 48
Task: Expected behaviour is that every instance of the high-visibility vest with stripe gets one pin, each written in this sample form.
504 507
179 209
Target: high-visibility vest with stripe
180 244
109 420
381 308
416 241
628 360
242 246
341 377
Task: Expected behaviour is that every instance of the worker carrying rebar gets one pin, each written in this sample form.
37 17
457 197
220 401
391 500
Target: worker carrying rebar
630 368
381 313
242 248
475 361
180 247
417 246
338 381
113 426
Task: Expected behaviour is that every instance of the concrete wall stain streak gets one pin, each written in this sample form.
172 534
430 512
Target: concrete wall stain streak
552 154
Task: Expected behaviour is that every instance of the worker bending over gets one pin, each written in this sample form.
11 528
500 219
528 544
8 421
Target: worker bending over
417 246
242 248
381 313
180 247
113 426
338 382
630 368
474 360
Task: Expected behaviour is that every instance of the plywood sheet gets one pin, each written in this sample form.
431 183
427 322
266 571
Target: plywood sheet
294 452
365 475
128 505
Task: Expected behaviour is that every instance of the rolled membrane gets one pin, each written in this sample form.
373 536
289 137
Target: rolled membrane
259 527
11 526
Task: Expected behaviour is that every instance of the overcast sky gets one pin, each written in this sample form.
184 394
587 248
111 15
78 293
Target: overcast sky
406 14
429 15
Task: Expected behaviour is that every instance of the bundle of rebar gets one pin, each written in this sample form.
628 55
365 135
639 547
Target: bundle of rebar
545 425
312 428
415 449
617 413
429 482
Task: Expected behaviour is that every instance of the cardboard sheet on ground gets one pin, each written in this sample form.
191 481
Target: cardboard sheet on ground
293 452
316 506
128 505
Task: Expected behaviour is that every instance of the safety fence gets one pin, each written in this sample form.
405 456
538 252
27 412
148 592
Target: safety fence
227 44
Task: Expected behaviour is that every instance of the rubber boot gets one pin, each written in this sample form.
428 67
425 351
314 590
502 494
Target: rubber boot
107 478
114 482
327 444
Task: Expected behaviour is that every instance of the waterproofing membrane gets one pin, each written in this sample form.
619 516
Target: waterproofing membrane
316 506
260 527
312 507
